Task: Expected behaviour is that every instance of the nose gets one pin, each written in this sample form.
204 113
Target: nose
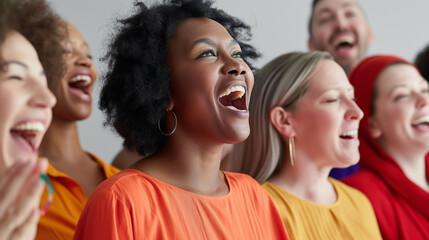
422 100
234 66
41 96
341 22
83 59
353 112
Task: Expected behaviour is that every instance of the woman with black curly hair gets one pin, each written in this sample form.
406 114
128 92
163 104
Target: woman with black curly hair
178 87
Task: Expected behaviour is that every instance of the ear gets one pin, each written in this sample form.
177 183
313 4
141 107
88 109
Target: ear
370 36
310 44
374 129
171 105
281 120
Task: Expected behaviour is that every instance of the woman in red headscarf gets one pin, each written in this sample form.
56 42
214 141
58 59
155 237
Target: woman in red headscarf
394 142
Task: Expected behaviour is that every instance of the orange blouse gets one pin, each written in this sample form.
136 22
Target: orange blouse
69 200
134 205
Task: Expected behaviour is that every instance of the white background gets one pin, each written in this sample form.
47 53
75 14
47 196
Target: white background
279 26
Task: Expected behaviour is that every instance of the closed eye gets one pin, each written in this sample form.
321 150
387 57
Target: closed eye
15 77
399 97
332 100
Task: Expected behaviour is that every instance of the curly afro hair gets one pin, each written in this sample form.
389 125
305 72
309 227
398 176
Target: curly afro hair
37 22
422 62
136 88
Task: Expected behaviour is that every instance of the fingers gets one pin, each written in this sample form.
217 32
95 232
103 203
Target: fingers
12 182
28 201
19 202
26 230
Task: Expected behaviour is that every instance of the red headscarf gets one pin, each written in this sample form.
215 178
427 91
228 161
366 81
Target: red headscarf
373 157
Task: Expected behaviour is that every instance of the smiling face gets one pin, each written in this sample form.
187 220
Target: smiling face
340 27
211 83
75 88
25 101
400 121
326 119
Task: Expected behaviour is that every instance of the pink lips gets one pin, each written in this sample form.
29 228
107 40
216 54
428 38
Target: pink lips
79 86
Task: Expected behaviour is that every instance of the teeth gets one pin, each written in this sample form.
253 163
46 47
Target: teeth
34 126
85 78
352 133
344 39
239 89
421 120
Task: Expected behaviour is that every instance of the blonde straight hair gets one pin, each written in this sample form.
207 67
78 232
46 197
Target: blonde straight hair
281 82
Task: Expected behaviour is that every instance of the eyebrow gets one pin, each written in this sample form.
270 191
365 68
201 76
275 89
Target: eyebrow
16 62
22 65
211 42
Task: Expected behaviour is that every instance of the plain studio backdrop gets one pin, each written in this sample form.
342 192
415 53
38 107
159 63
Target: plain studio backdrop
279 26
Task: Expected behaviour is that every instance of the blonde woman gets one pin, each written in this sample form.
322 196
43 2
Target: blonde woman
304 122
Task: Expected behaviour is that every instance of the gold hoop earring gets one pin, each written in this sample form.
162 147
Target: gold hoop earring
292 151
174 129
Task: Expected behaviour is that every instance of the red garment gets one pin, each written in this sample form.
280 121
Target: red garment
134 205
401 207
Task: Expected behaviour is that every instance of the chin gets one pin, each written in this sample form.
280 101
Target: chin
236 137
348 160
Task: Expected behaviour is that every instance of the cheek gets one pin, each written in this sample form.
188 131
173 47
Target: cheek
318 124
94 72
323 34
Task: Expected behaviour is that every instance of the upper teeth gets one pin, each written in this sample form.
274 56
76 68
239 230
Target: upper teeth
239 89
344 39
33 126
85 78
421 120
350 133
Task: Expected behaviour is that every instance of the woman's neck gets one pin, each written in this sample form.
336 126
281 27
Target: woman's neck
61 143
307 181
187 164
413 164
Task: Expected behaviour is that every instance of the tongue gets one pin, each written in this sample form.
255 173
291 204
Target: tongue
422 127
344 50
28 136
231 101
78 84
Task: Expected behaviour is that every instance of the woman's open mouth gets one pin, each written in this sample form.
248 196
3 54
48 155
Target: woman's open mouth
234 98
26 133
79 85
421 124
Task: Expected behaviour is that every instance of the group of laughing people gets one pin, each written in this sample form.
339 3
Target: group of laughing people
325 144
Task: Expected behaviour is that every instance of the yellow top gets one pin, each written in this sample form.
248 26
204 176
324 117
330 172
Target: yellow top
350 217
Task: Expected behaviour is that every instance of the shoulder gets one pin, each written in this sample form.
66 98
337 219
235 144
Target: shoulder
368 183
124 185
109 170
343 188
240 180
351 198
243 184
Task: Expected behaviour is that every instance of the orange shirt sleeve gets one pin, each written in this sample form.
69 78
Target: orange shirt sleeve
104 217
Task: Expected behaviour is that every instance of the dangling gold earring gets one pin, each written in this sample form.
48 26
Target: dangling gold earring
292 150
